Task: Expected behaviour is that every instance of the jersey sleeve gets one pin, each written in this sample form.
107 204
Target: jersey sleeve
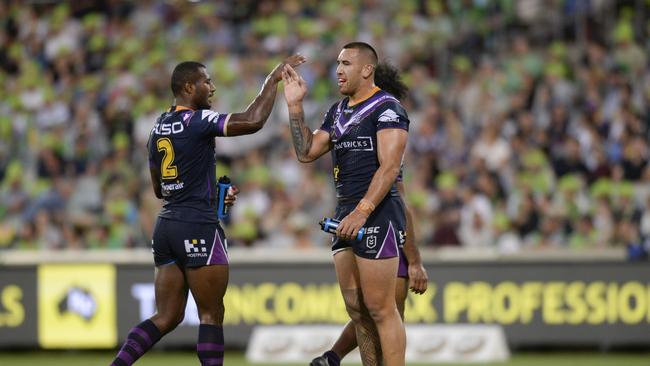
328 121
207 123
392 115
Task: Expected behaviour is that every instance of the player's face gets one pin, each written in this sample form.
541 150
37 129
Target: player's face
348 70
203 91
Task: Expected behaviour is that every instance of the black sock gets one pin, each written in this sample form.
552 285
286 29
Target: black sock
333 358
210 345
140 339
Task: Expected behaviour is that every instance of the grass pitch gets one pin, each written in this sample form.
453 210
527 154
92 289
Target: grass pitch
233 358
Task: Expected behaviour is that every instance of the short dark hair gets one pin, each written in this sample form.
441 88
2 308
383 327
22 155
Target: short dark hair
185 72
364 47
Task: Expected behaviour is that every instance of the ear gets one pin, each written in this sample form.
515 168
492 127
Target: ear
188 88
367 71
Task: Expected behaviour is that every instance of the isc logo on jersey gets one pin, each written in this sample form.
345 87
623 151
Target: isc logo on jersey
168 128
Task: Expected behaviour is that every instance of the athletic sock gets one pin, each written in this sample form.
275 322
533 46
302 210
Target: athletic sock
210 345
333 358
139 340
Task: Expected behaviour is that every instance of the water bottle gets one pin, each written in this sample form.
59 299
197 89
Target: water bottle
223 184
329 225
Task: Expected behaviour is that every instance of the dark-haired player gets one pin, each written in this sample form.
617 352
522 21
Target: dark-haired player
189 245
367 133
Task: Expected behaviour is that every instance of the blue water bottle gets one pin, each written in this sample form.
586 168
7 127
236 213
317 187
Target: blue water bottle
330 225
223 184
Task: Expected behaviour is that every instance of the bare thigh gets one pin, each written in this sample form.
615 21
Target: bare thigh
346 269
171 297
377 278
208 285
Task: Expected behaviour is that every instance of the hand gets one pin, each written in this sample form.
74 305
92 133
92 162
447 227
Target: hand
295 87
418 278
350 225
293 61
231 196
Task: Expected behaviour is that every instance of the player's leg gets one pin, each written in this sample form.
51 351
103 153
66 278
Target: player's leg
402 283
171 298
401 292
208 283
347 341
366 332
377 279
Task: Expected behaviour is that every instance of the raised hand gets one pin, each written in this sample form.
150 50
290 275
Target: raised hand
293 61
295 87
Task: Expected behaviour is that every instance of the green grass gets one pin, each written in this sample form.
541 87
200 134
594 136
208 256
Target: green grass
237 359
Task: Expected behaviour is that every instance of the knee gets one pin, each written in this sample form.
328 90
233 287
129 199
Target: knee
380 310
354 311
166 322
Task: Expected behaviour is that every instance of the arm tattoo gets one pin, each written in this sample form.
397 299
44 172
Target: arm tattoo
300 134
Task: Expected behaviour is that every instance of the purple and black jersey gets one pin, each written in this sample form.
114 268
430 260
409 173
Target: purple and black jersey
353 132
181 145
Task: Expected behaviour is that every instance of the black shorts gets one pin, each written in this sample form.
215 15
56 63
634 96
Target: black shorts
385 230
188 244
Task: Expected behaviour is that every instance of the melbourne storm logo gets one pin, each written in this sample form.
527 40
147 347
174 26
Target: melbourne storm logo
78 301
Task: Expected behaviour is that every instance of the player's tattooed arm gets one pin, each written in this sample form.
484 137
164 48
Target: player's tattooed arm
309 145
301 135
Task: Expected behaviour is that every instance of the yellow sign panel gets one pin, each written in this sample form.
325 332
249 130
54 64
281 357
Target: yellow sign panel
76 306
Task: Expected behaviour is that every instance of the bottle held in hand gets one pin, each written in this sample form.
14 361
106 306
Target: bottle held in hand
329 225
223 184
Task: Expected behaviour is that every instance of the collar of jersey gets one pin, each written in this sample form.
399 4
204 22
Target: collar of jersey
366 97
180 108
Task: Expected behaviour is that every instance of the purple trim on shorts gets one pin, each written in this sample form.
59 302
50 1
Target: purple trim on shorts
403 267
219 256
209 347
388 248
142 333
126 357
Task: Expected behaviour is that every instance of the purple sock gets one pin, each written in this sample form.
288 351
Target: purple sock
140 339
333 358
210 345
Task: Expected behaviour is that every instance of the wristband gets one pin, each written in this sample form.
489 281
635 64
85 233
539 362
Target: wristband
366 207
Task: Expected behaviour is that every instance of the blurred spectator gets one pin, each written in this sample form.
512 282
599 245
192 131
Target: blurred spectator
524 134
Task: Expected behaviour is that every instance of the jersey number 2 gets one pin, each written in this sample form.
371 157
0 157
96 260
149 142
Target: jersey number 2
168 170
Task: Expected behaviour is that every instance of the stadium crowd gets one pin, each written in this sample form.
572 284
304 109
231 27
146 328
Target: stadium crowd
529 119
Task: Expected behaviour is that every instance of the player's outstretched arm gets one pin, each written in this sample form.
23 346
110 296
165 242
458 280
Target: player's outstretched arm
309 145
418 277
256 114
